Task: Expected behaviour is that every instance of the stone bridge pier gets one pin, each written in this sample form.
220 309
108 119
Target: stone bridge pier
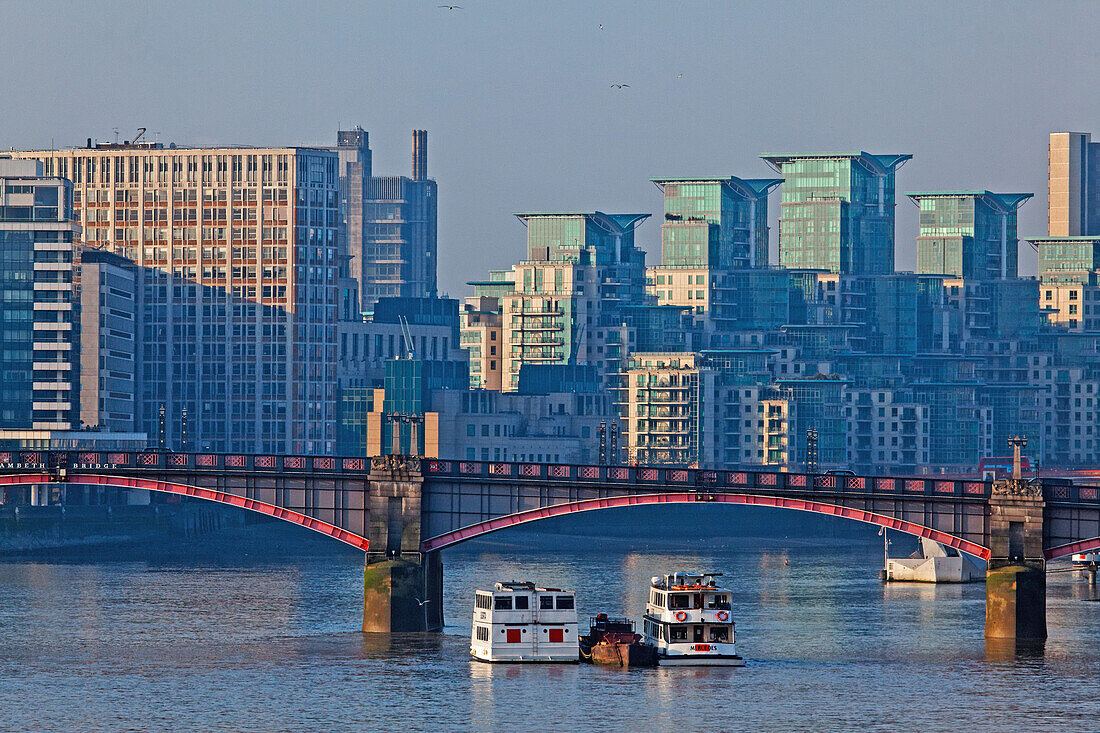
402 587
1015 589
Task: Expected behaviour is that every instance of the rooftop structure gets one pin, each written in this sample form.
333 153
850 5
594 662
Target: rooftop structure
837 211
968 233
719 222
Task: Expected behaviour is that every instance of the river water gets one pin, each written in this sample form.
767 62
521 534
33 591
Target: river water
261 634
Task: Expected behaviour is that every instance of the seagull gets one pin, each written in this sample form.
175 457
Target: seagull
601 26
619 86
679 76
420 602
451 7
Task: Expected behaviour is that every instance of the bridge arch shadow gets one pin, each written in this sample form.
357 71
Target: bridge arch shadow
220 497
478 529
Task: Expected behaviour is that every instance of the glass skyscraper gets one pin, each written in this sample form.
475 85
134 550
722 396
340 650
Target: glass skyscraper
1074 185
715 222
968 234
837 211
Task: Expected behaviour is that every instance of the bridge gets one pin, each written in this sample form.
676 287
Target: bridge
402 510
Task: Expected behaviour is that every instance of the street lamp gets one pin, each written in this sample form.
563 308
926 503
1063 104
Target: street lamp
1017 442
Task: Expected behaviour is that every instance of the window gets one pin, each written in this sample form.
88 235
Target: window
482 633
679 600
521 603
484 601
546 602
504 603
565 603
678 633
719 634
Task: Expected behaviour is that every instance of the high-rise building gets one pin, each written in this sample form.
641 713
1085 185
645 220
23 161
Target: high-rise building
837 211
108 341
395 253
1074 185
716 223
353 148
39 386
969 234
236 260
580 269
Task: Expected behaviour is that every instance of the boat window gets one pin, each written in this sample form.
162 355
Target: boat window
546 602
719 601
521 603
565 603
484 600
503 603
719 633
679 633
697 633
679 600
482 633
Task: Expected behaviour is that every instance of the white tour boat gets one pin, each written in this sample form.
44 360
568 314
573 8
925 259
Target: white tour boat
688 619
1083 560
519 622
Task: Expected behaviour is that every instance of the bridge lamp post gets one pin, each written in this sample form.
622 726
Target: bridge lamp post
1017 442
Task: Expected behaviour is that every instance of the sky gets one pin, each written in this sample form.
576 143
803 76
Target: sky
517 97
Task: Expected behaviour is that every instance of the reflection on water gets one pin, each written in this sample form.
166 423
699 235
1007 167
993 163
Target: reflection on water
271 643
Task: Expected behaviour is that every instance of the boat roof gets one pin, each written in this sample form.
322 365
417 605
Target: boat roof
521 586
683 579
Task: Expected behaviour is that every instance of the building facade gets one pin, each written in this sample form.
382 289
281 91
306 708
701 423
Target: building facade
236 258
399 232
39 313
837 211
1073 185
969 234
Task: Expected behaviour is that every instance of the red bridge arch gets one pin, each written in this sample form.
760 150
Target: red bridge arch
221 497
1090 545
859 515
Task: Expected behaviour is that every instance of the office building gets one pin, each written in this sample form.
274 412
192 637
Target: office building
236 259
1073 185
391 222
837 211
969 234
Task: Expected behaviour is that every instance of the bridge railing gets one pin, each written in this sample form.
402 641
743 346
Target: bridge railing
703 479
690 479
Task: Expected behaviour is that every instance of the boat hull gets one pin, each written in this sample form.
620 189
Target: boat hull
621 655
543 659
691 660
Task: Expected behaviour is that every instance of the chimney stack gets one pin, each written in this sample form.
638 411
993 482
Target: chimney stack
420 155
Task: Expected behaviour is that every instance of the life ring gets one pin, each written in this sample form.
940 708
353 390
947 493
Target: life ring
722 615
681 616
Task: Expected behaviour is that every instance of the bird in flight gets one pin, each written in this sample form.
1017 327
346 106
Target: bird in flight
679 76
619 86
451 7
601 26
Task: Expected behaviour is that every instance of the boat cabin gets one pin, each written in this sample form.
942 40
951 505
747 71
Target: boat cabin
520 622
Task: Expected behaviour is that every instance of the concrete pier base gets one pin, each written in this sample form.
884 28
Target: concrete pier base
401 595
1015 603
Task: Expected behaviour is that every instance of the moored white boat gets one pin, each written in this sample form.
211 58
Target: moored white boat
688 617
520 622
